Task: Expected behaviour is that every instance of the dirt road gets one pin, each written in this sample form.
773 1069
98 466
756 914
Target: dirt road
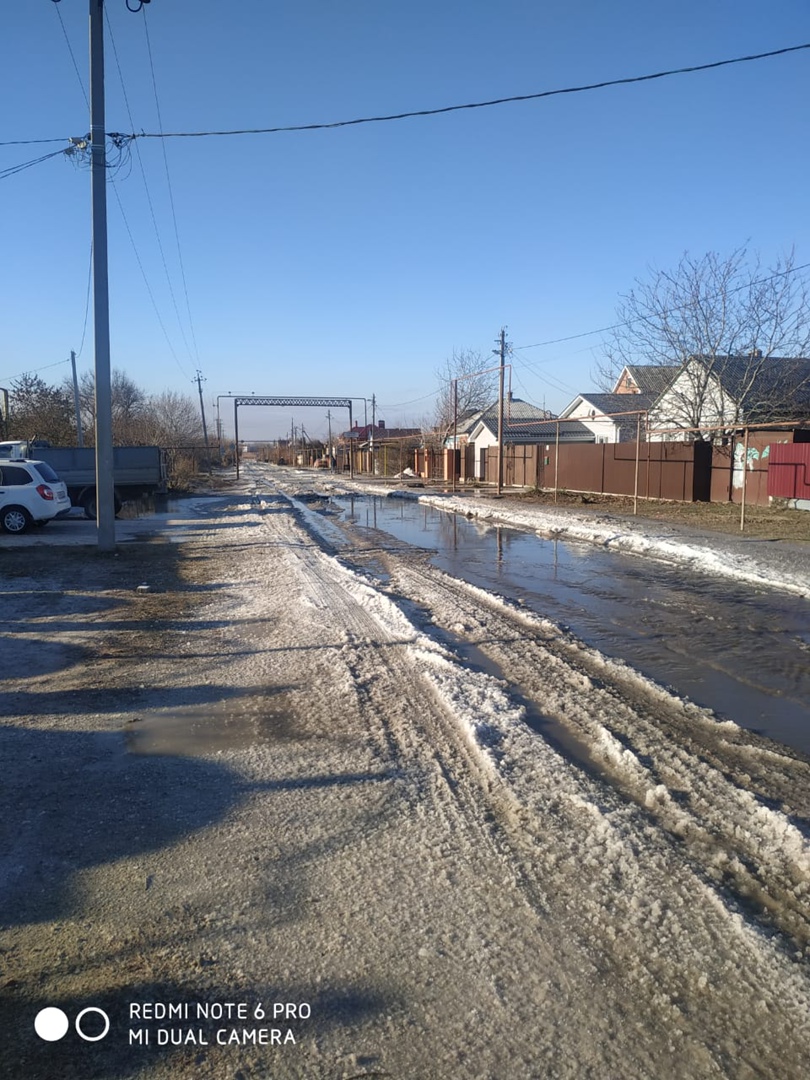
279 817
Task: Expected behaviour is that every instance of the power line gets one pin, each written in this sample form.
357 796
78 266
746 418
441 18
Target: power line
146 189
413 401
171 198
29 142
478 104
87 299
33 371
146 280
72 56
452 108
671 311
12 170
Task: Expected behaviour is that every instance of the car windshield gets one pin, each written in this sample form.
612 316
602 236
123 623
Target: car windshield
46 472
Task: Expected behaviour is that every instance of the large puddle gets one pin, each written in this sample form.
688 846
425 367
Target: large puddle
742 652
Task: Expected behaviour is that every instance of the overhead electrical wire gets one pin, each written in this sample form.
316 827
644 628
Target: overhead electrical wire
146 280
86 300
671 311
392 117
72 56
149 202
171 202
33 371
12 170
628 80
29 142
479 104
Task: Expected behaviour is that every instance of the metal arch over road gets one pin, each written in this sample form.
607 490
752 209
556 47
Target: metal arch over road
317 402
292 402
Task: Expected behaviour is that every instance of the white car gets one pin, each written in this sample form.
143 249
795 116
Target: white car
30 491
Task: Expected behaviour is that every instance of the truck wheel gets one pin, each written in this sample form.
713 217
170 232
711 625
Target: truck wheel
15 519
89 505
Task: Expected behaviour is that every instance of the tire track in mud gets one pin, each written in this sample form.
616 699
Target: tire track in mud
667 756
698 778
389 658
655 892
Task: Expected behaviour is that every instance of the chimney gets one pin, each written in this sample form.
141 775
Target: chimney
380 423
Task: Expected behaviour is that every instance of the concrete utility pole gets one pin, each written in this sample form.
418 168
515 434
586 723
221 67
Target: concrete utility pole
105 488
329 451
79 432
502 351
371 438
199 380
455 433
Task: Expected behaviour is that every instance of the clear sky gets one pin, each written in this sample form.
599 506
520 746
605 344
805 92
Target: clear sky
353 261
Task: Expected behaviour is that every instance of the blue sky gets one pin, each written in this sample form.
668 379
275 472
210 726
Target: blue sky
354 261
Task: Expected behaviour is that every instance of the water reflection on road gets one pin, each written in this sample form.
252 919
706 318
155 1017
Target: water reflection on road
741 651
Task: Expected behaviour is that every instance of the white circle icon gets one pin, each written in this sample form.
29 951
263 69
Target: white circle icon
51 1024
84 1012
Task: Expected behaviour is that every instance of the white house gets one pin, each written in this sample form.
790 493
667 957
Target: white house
712 393
610 418
522 424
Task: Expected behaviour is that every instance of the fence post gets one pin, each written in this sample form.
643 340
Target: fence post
556 460
638 449
745 480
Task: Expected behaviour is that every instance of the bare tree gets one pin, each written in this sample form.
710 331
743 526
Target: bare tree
473 377
171 419
129 402
707 315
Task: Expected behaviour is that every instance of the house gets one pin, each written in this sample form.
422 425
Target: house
611 418
376 446
651 379
459 436
713 393
368 434
523 424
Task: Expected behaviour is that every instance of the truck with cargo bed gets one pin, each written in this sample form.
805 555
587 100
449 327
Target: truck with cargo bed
138 471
